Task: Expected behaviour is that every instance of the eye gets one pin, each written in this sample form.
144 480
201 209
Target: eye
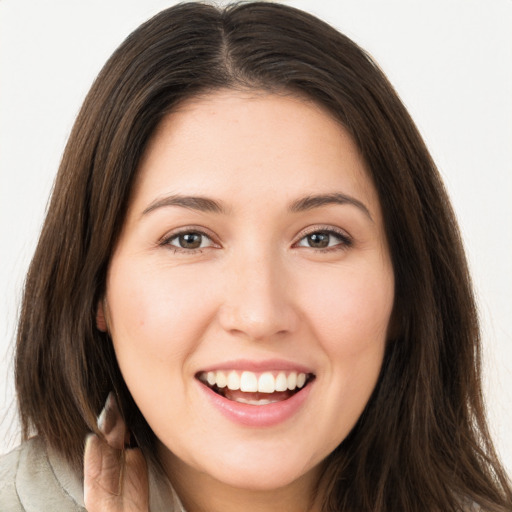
325 239
189 240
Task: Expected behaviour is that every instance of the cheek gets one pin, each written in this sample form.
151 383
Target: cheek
350 311
156 323
155 314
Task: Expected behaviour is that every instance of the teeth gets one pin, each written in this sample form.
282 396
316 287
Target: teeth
263 401
250 382
233 380
301 379
266 383
211 378
281 382
292 381
221 380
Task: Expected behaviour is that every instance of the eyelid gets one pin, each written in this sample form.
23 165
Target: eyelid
170 235
341 233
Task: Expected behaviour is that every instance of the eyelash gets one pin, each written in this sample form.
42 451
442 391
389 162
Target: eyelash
345 240
186 231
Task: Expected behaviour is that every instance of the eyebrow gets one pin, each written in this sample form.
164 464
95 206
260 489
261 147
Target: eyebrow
319 200
206 204
199 203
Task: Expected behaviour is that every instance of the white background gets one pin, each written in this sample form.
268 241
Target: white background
450 60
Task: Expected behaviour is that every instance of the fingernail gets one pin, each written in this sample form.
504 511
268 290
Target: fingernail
105 419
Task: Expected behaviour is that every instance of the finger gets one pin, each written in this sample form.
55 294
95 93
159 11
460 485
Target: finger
134 484
111 424
102 469
114 480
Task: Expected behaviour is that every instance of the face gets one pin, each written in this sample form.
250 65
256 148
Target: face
250 292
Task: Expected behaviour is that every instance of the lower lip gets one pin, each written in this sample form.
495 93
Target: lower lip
257 415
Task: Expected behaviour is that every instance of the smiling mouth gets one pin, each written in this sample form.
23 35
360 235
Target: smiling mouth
255 388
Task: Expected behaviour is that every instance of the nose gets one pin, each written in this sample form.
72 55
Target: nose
257 302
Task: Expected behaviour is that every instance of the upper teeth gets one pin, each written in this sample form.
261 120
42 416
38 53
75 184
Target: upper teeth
250 382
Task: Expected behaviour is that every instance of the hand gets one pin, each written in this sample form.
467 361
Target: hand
115 477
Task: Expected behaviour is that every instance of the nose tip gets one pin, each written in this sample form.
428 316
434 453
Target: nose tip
257 306
252 324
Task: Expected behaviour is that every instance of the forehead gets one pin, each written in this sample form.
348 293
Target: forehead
249 145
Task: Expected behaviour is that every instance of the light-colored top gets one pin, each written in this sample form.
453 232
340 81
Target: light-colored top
35 478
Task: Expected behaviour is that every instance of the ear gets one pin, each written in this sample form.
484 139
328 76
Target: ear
101 315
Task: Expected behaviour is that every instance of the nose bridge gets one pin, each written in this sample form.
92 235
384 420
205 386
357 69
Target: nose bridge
256 302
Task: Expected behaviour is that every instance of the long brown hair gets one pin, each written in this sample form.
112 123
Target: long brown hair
422 443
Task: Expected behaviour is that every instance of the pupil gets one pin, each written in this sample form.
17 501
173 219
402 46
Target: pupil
318 240
190 240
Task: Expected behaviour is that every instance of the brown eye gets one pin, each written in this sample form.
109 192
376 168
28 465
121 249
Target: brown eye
190 241
318 240
325 240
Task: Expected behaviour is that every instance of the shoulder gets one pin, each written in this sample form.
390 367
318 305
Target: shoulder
9 500
30 481
34 478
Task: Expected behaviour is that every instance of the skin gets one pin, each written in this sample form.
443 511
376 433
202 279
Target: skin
256 290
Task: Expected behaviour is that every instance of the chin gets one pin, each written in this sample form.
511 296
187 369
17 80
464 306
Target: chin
258 478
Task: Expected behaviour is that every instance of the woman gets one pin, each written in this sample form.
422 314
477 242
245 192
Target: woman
249 251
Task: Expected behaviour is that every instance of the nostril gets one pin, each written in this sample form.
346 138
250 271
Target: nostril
258 315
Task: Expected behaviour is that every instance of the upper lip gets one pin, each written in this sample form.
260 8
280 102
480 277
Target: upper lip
267 365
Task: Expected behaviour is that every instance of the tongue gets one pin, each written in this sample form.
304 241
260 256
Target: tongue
277 396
